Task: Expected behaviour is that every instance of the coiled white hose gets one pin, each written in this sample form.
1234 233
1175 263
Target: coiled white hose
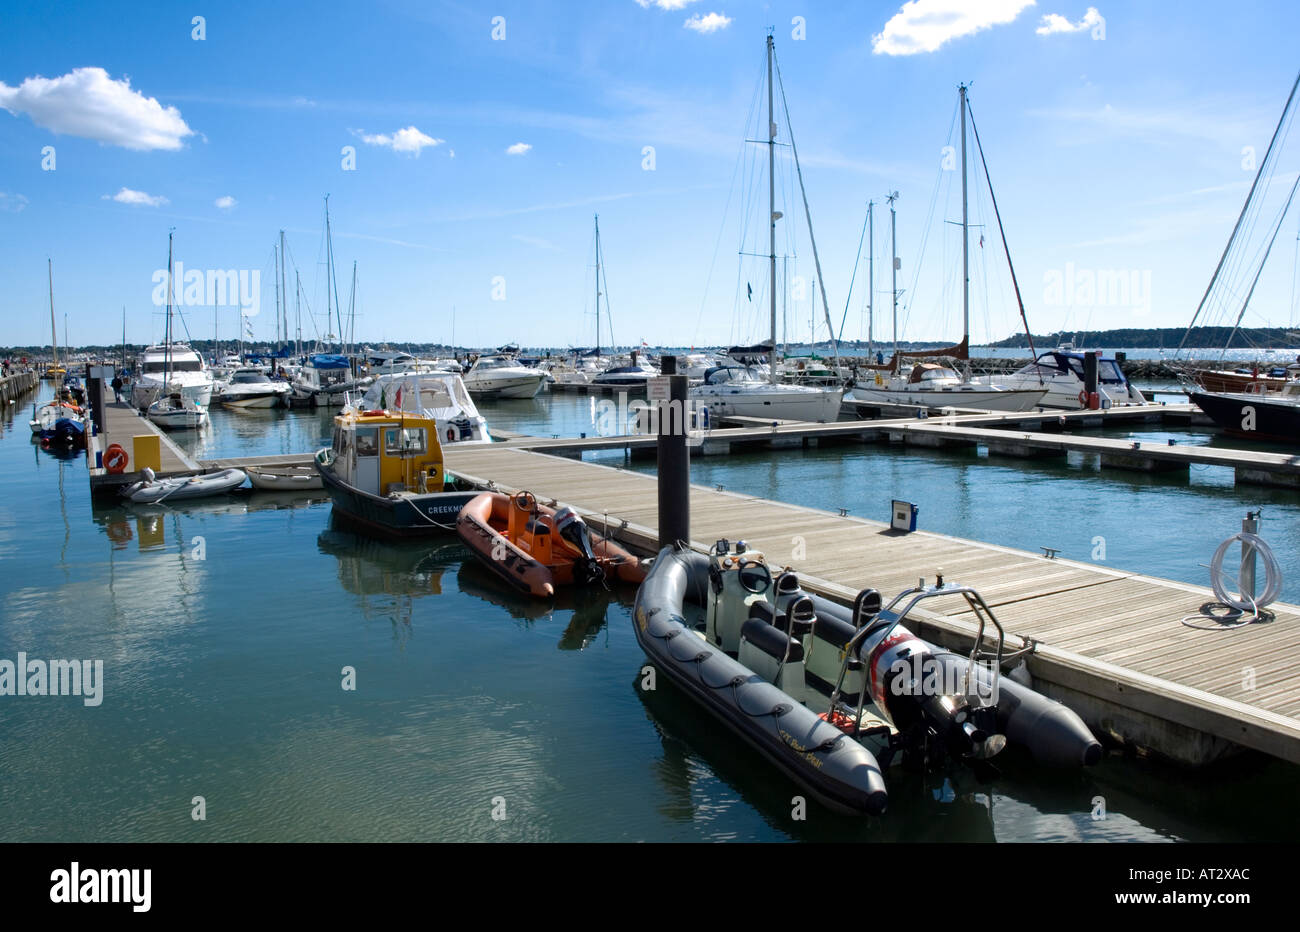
1272 572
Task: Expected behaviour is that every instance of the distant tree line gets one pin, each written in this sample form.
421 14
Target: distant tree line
1164 338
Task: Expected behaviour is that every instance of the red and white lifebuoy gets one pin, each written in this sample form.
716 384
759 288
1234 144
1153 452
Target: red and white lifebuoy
115 458
1083 399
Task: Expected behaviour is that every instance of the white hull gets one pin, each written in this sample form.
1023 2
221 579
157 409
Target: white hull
956 397
284 479
145 390
254 400
515 386
778 402
179 418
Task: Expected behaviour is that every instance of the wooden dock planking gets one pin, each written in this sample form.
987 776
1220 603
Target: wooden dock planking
1103 632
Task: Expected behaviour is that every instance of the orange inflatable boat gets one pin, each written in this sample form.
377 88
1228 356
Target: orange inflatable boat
534 548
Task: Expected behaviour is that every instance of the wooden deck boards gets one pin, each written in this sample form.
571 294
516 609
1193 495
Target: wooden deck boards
1117 631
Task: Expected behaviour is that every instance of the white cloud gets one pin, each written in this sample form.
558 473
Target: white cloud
518 148
86 102
1055 22
925 25
404 140
136 198
12 203
709 22
666 4
226 203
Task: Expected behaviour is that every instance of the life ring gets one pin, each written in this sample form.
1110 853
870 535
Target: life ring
115 458
1083 399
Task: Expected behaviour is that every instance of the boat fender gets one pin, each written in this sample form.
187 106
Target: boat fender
451 434
115 458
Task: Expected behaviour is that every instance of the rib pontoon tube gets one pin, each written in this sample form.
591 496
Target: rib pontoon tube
1051 732
835 769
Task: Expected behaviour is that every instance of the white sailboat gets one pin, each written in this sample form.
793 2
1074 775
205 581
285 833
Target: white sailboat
732 391
172 408
929 384
62 406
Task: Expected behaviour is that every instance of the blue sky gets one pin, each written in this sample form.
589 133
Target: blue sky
1115 150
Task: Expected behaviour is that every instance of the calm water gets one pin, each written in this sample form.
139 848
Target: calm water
224 628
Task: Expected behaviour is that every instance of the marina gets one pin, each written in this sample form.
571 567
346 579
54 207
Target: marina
672 424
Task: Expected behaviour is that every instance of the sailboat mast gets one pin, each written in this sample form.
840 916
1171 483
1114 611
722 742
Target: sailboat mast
352 305
124 337
871 281
329 274
893 271
275 251
167 327
283 290
771 210
965 236
54 331
598 287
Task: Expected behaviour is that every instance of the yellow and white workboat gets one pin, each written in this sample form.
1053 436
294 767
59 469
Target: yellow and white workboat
385 474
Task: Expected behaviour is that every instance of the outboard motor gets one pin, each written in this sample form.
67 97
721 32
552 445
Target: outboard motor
586 570
908 684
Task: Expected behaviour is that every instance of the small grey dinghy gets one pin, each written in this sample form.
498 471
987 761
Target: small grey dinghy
830 695
151 490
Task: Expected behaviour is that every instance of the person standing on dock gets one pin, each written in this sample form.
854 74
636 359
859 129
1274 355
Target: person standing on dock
117 386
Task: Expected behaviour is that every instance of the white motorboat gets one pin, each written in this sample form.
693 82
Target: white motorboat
738 391
503 377
176 412
251 387
325 381
182 368
152 490
934 386
1060 374
438 395
632 377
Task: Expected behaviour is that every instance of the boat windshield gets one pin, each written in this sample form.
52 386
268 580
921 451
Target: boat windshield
248 378
492 362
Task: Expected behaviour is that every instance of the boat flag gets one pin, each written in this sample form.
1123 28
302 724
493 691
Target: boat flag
397 401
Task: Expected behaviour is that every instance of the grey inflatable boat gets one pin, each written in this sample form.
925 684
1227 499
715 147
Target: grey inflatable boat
829 695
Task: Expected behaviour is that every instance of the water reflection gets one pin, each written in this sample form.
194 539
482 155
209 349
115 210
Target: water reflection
590 607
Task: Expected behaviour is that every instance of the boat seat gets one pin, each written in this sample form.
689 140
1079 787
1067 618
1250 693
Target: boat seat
537 527
771 641
804 617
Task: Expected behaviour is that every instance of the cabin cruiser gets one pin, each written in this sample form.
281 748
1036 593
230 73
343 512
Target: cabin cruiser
250 387
632 377
1255 415
385 474
937 386
325 380
438 395
1061 373
738 391
183 368
503 377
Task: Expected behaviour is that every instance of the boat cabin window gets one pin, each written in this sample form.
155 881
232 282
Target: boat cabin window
178 365
367 441
1109 371
404 441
